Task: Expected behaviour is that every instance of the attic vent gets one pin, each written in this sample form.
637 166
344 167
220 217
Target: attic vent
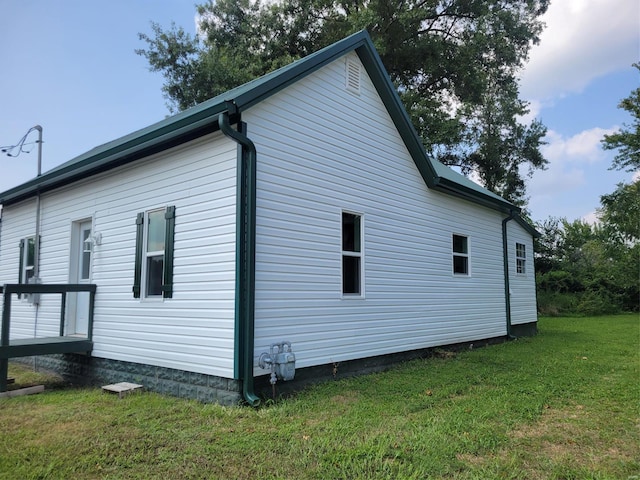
353 76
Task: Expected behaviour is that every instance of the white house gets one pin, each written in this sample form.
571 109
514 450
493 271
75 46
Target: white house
299 209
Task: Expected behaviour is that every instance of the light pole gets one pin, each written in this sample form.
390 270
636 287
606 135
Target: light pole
8 151
36 254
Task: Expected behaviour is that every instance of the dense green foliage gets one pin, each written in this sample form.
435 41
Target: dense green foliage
627 140
454 63
562 405
592 269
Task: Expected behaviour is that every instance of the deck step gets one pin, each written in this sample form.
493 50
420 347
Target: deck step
122 388
22 391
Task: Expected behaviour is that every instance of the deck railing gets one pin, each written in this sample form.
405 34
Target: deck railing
41 346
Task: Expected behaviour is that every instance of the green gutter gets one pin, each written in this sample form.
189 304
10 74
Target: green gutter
505 261
245 259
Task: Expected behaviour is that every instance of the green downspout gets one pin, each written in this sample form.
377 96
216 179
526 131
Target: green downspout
245 261
505 261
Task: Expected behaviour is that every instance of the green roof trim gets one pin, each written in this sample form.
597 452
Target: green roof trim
202 119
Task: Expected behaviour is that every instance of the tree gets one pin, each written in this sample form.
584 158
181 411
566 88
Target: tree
620 212
497 145
547 247
627 140
592 269
454 63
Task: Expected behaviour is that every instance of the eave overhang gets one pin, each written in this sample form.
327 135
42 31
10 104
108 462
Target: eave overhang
130 148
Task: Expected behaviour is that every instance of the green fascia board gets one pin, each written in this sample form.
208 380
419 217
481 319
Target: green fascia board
527 226
391 100
202 119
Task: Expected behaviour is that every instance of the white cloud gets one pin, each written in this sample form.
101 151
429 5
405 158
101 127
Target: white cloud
555 179
568 157
583 39
636 176
584 147
591 218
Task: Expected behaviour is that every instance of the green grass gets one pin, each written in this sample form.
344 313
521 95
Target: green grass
562 405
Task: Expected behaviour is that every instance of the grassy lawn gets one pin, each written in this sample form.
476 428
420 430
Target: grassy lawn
562 405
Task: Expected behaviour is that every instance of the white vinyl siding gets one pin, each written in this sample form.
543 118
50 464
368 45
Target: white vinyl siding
321 150
522 286
192 331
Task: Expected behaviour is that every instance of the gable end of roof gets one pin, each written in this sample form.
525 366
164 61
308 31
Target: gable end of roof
202 119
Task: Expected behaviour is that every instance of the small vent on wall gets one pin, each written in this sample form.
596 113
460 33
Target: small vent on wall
353 76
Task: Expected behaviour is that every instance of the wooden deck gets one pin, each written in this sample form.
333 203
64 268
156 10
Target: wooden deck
27 347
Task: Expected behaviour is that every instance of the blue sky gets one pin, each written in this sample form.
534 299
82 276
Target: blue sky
70 66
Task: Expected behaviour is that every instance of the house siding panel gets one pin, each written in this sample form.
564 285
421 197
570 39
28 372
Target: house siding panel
314 161
192 331
522 286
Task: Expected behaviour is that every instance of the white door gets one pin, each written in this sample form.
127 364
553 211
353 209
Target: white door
81 273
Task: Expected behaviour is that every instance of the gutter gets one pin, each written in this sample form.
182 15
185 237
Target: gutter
505 261
245 256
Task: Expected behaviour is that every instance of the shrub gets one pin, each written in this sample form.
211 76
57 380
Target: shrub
554 304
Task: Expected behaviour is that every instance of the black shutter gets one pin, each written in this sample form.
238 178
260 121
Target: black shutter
167 274
138 262
21 263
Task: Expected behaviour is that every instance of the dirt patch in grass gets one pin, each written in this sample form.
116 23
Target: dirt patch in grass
348 398
557 441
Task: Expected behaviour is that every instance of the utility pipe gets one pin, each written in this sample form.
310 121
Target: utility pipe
36 254
245 264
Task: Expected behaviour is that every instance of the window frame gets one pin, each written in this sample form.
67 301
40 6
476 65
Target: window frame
24 257
521 258
23 264
149 255
465 255
143 255
84 270
352 254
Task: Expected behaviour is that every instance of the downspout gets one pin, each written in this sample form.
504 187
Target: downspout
505 261
245 264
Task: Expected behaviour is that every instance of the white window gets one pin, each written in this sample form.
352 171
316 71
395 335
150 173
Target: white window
460 247
85 257
521 258
27 259
153 272
154 253
352 252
